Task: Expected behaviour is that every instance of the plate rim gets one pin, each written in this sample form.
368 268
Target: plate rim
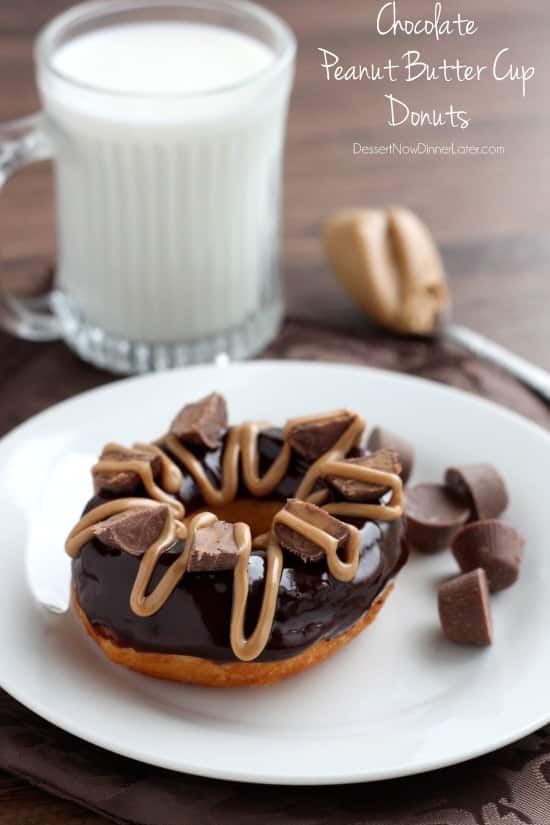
272 779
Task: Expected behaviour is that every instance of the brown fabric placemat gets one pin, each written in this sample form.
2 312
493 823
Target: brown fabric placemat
509 787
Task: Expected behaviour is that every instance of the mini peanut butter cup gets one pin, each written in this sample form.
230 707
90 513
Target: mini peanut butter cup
481 486
214 548
203 423
381 439
133 531
123 481
494 546
433 515
313 437
353 490
465 609
300 545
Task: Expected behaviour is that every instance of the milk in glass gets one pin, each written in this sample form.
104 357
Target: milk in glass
169 140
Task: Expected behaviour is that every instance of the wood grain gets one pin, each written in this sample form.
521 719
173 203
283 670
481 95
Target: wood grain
489 214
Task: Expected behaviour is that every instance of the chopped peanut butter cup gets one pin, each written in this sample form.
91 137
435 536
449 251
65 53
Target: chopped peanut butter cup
465 609
133 531
214 548
385 460
433 517
313 437
381 439
203 423
311 516
123 481
481 486
494 546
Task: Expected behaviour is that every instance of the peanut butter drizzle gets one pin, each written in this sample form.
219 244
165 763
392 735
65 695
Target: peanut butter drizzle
354 509
83 532
170 475
241 450
344 571
248 649
148 605
230 467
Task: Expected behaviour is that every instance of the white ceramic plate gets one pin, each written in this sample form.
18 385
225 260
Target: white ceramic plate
398 700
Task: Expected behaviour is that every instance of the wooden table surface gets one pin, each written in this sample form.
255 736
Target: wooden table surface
491 215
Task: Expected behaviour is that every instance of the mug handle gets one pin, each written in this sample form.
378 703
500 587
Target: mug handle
23 142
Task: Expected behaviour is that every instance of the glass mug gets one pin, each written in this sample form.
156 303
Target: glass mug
167 201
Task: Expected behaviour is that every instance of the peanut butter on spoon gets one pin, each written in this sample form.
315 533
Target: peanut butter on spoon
388 262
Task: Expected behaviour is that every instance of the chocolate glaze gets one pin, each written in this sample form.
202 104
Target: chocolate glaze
270 444
195 620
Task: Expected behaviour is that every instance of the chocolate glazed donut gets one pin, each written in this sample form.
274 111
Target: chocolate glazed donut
189 636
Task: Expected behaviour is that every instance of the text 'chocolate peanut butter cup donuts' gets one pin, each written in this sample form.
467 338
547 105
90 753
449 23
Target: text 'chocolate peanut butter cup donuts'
237 555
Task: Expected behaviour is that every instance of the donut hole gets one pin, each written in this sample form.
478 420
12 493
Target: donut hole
257 513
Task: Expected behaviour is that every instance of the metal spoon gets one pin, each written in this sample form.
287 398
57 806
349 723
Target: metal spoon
532 376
